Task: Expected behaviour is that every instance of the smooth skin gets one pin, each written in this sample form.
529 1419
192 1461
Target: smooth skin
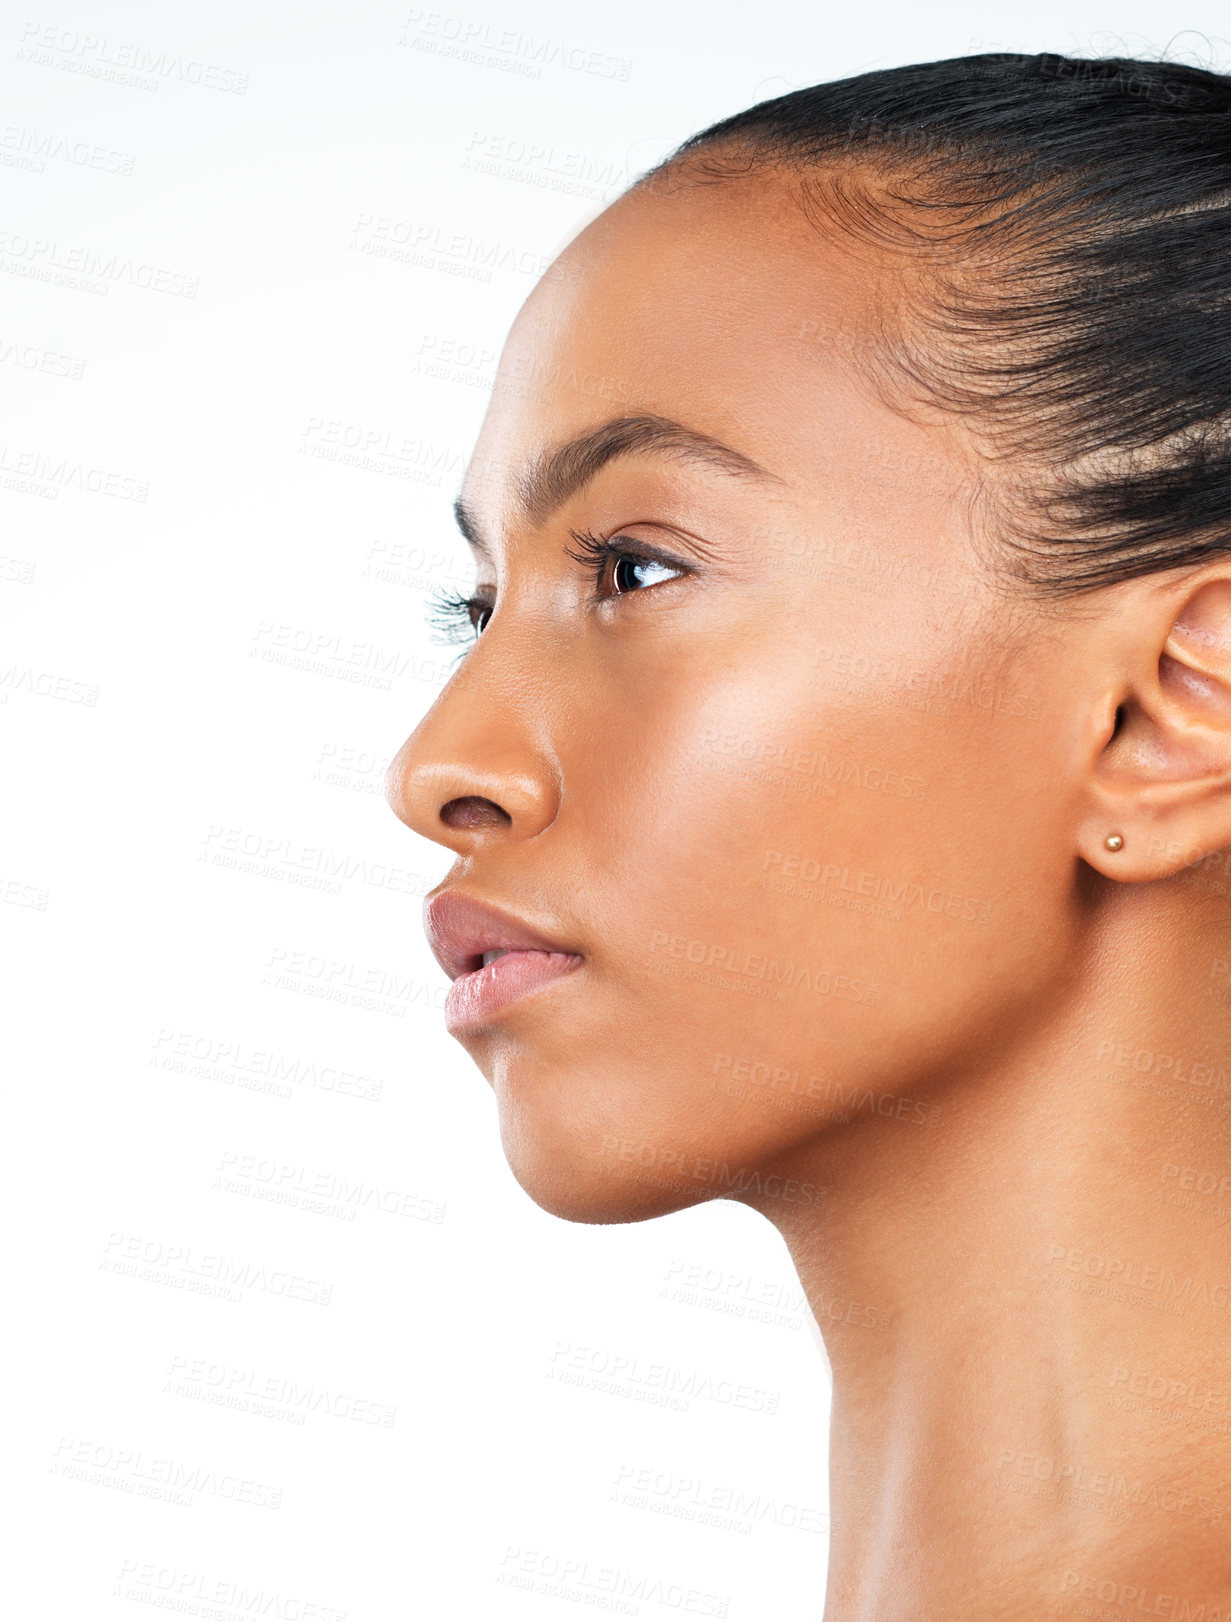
823 802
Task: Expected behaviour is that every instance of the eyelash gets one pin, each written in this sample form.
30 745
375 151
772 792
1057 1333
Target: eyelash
455 616
452 616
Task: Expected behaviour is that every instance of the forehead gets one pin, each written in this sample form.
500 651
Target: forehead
722 307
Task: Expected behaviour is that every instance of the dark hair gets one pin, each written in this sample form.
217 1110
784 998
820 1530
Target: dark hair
1071 221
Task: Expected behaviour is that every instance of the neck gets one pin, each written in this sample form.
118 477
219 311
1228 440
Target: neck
1025 1292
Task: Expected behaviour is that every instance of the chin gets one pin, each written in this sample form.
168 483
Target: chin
586 1189
584 1146
581 1170
589 1150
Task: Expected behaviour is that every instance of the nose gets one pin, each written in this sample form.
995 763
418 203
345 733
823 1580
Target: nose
473 771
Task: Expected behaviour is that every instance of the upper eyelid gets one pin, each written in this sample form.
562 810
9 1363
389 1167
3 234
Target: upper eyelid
635 548
610 546
648 548
652 554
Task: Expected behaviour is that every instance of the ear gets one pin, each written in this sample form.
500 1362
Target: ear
1162 776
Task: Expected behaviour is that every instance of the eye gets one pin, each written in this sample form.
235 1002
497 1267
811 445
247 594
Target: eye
457 618
630 573
619 566
622 565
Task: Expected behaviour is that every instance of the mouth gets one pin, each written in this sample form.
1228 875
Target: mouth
493 958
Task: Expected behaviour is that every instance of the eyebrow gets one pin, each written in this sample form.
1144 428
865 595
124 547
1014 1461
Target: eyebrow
558 474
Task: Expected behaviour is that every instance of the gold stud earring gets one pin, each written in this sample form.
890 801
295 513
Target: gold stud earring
1114 841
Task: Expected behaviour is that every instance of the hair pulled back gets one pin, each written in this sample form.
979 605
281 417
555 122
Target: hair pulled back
1069 221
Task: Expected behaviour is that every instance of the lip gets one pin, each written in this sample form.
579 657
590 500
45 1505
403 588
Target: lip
460 930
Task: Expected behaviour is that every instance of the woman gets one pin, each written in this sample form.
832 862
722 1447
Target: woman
840 787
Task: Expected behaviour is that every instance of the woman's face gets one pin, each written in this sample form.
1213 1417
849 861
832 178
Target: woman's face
796 779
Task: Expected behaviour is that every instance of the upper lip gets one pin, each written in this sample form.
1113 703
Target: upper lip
460 930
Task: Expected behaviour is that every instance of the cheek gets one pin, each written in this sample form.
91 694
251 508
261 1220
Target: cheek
809 904
796 854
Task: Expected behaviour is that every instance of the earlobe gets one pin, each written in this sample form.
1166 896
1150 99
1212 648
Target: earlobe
1160 789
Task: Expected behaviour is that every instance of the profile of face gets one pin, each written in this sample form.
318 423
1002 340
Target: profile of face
753 729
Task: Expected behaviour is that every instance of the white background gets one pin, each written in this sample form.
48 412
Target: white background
255 270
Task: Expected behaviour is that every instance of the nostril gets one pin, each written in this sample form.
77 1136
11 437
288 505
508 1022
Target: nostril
472 811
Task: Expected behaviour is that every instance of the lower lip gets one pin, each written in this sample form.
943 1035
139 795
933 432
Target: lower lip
476 996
